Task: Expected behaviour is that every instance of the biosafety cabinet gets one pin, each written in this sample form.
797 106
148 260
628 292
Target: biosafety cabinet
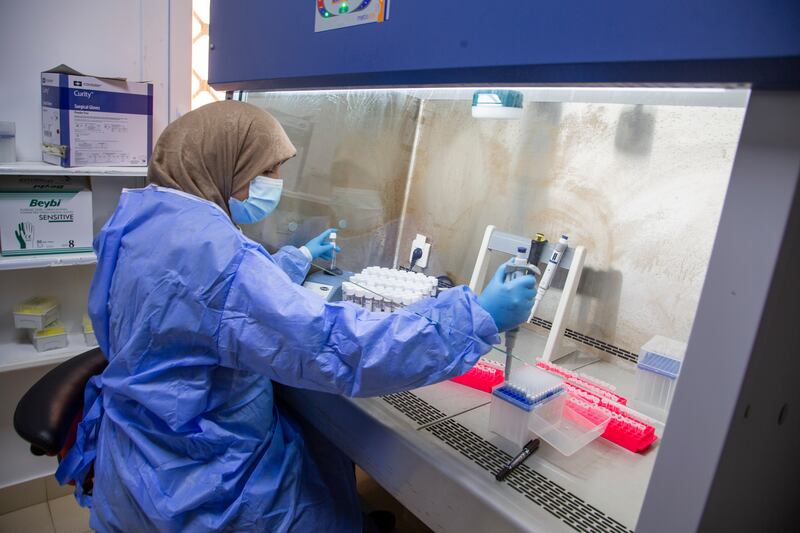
663 138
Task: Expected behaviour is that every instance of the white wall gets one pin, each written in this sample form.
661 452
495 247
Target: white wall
136 39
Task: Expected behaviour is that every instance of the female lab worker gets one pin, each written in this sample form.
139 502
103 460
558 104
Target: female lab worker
197 321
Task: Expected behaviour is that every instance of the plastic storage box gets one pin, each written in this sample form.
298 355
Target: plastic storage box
656 374
35 313
52 337
509 421
563 427
513 403
88 332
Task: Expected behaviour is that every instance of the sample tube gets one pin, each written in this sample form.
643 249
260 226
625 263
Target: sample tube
387 303
434 286
359 296
347 291
332 240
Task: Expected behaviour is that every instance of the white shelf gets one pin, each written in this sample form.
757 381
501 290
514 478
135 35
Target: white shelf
46 260
38 168
19 464
16 356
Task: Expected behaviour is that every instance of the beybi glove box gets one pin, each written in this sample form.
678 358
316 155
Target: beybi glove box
45 215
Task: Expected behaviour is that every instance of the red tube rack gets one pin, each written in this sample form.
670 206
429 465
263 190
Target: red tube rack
623 428
587 383
483 376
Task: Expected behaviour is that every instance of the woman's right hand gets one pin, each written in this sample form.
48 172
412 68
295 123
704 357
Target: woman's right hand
508 302
320 246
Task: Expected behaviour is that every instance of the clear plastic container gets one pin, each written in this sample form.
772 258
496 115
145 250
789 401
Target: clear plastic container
657 373
348 289
52 337
35 313
509 421
562 427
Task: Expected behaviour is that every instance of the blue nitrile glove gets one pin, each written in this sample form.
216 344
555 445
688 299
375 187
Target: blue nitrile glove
508 302
320 247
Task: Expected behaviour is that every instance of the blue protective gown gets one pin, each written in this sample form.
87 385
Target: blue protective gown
197 320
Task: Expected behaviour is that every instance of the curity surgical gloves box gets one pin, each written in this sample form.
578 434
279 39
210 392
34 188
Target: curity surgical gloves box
90 121
45 215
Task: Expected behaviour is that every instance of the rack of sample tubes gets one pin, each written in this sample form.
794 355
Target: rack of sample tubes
386 289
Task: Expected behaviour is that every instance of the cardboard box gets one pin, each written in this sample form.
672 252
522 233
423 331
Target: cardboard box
45 215
92 121
8 146
52 337
36 313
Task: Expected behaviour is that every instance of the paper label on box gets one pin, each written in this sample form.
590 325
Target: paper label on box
45 222
97 138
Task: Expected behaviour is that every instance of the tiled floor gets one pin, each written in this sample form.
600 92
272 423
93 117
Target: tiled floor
375 498
61 515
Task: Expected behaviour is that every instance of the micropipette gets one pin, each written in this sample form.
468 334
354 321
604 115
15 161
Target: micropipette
517 268
549 272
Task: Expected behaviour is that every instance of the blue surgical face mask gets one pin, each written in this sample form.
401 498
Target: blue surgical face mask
265 193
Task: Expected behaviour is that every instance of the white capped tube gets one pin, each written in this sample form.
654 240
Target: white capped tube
347 291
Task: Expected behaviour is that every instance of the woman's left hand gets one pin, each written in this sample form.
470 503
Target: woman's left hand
320 247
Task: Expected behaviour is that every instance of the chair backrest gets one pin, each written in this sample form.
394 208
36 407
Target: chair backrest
45 414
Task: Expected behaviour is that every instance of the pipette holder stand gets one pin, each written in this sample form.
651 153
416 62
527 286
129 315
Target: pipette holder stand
495 241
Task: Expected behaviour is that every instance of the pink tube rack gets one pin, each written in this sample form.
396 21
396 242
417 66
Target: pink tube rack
483 376
587 383
623 429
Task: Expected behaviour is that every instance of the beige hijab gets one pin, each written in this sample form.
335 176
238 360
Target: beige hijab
216 150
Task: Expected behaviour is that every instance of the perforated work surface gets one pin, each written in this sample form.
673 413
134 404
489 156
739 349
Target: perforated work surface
414 408
551 496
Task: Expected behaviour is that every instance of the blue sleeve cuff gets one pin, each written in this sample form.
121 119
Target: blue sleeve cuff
293 262
485 327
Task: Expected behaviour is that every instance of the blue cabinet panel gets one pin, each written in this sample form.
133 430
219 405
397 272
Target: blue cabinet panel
272 44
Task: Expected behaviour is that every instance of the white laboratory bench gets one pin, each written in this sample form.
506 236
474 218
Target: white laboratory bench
431 448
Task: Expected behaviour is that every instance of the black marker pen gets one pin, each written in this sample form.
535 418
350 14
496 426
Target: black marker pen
527 450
